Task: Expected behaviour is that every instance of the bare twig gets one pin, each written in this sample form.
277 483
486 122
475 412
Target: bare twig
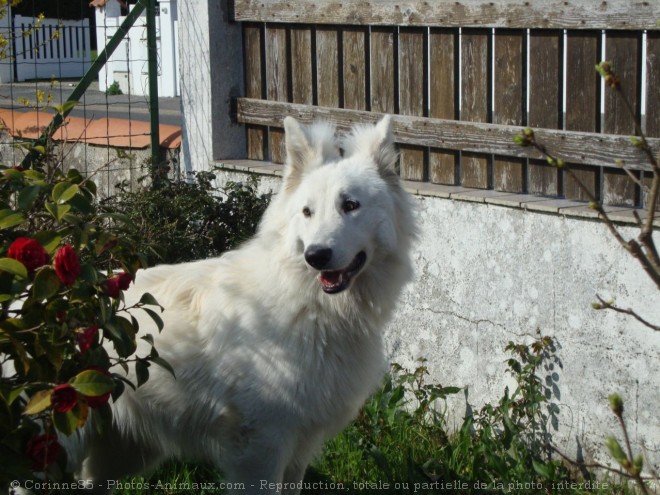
608 305
592 465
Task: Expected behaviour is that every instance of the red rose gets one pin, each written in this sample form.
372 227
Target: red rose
114 285
87 337
42 450
98 400
63 398
125 280
67 265
29 252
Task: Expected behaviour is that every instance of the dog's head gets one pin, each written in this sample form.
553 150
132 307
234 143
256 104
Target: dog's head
341 211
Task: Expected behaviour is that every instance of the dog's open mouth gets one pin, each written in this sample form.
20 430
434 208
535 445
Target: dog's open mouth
334 281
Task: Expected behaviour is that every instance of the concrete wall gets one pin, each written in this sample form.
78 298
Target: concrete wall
211 70
487 275
106 166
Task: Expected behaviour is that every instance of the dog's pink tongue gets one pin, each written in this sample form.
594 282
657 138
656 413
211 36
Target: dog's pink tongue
330 279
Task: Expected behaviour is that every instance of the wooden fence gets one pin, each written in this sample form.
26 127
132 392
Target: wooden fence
464 78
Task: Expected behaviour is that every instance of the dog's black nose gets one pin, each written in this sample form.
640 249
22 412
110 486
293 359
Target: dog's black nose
318 256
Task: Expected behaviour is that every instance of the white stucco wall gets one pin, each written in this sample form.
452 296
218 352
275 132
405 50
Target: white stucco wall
489 274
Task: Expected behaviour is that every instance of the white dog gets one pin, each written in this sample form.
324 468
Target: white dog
277 344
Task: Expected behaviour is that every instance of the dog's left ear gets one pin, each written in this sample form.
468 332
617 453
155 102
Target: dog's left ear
376 142
307 147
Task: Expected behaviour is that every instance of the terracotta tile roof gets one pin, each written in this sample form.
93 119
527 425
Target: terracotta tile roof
101 3
120 133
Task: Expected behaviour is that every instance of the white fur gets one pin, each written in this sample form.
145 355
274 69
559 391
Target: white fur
268 365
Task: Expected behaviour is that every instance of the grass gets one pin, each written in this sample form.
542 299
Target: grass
400 444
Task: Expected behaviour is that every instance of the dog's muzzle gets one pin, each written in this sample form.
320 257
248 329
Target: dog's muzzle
333 281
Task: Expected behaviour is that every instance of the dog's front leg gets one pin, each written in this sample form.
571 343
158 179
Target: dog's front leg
257 471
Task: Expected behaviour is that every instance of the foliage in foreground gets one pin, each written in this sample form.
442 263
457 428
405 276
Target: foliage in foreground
64 262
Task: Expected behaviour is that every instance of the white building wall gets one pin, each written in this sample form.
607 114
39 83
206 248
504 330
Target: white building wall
211 68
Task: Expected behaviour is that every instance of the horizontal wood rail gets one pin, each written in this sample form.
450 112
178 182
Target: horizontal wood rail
576 147
525 14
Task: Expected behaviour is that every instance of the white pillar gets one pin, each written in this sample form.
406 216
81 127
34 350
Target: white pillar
211 65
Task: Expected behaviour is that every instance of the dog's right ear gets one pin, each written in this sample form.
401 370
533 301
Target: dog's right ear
306 149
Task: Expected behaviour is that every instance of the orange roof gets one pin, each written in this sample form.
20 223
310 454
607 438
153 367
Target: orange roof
120 133
101 3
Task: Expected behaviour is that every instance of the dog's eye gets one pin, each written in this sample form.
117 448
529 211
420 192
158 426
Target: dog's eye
307 212
349 205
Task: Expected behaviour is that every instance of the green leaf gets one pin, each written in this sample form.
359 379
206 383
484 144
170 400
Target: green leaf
10 218
14 394
49 239
14 267
64 191
66 422
123 335
157 319
40 401
92 383
102 418
615 450
543 469
149 299
163 364
67 106
141 371
57 210
27 196
46 284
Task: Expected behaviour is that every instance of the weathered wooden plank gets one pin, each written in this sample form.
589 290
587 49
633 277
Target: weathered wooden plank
545 102
475 101
354 46
549 14
276 83
327 66
254 86
509 107
383 70
577 147
412 95
443 78
623 49
652 88
302 79
582 101
653 83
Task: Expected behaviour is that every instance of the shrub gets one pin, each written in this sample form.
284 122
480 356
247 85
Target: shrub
177 221
59 253
114 89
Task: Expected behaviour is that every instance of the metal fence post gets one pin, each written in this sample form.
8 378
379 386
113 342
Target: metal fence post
152 50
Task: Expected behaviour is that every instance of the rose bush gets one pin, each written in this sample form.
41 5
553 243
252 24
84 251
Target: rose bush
65 261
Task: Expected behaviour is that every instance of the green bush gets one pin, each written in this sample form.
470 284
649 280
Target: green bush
177 221
114 89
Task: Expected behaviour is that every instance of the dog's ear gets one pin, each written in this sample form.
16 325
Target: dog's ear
376 142
307 148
